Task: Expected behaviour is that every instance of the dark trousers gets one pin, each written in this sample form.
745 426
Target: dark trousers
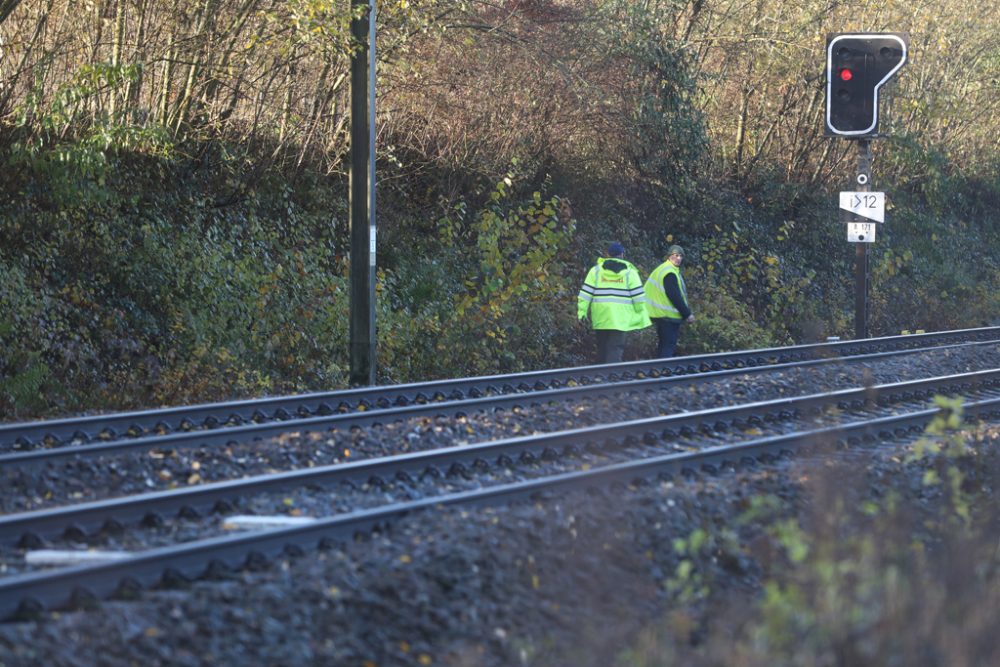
667 331
610 345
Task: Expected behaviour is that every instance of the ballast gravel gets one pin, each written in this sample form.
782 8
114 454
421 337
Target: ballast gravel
569 579
127 474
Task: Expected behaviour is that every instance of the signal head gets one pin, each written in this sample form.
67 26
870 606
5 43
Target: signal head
857 66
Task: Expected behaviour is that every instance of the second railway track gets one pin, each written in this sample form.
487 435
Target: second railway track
646 437
44 589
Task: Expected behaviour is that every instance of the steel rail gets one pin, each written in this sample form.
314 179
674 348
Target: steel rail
138 423
57 588
253 432
32 527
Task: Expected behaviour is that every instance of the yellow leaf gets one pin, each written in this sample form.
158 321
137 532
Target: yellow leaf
425 659
535 582
404 647
152 632
405 558
194 479
288 502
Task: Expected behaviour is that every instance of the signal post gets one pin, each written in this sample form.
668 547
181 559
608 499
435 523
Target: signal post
857 66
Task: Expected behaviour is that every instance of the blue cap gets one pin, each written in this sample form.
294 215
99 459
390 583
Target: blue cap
616 249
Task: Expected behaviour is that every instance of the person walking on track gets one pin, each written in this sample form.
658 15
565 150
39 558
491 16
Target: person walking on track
612 297
667 302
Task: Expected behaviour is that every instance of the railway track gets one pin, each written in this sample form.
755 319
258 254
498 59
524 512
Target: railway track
230 417
689 429
40 456
864 407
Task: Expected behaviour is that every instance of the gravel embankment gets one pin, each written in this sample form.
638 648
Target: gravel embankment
571 579
137 473
568 580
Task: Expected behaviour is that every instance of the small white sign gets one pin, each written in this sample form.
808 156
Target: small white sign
869 205
861 232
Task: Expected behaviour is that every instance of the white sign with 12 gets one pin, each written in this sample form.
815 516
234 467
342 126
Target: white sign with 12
870 205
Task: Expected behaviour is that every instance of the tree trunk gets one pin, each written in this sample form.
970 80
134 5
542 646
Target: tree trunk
133 89
235 30
205 19
741 121
116 51
7 87
7 7
163 112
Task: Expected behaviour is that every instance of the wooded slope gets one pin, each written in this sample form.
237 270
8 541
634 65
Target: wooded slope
173 222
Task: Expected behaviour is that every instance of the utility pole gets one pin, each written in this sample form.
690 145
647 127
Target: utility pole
362 193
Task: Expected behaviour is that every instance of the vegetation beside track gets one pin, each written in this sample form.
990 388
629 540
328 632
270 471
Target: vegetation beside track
173 222
897 565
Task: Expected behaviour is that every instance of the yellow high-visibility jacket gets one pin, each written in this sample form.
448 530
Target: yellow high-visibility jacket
613 296
657 302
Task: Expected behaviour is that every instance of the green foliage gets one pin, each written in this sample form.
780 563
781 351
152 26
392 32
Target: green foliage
27 385
846 585
174 233
942 446
163 297
939 248
721 323
488 296
847 580
667 139
24 377
690 583
69 148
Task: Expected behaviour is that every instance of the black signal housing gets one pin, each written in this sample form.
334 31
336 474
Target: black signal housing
857 66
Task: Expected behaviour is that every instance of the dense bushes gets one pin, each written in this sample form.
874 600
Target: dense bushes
175 299
151 288
174 233
166 299
487 294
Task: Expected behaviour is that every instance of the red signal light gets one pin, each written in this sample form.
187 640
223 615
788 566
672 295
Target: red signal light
845 75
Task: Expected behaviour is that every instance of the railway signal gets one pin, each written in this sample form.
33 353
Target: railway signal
857 66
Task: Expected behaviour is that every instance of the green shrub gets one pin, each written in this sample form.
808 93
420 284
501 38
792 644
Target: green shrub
721 323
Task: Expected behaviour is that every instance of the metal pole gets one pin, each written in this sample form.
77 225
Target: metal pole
362 193
861 272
